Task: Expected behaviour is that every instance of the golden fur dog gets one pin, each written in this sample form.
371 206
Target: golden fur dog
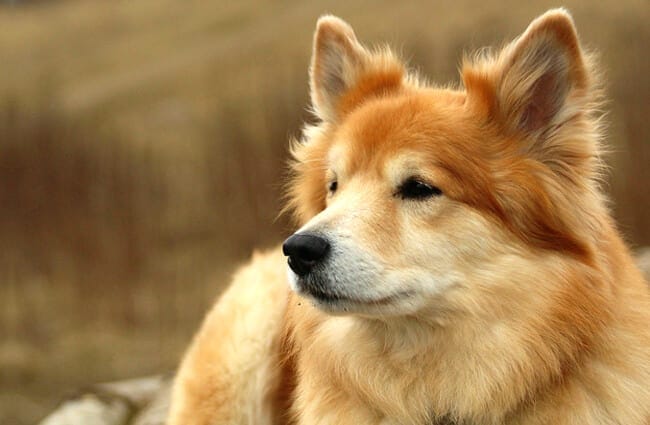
456 262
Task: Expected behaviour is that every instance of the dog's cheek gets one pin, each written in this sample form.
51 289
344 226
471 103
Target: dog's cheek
457 243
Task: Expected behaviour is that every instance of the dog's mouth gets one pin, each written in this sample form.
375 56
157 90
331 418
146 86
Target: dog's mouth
345 295
330 298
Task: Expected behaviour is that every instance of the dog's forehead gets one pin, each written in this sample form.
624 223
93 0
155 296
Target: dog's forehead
384 128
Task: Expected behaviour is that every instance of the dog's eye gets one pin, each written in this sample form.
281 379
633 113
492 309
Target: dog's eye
333 186
413 188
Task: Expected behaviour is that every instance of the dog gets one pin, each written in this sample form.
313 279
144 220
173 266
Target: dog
455 263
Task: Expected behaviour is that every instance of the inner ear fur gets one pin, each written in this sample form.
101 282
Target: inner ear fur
343 73
530 85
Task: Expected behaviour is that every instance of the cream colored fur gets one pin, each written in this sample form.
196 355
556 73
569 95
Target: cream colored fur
228 374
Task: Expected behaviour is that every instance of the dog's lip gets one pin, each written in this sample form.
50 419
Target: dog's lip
338 298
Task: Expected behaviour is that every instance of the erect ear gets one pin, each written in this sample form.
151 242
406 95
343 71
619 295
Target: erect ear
343 72
537 82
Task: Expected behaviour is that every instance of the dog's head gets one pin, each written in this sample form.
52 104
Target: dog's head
412 197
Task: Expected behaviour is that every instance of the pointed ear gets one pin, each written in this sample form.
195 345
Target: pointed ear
534 83
340 65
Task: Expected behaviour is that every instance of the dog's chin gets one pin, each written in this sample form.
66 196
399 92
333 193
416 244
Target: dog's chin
343 303
341 306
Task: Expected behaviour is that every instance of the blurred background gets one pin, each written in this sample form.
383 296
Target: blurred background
142 149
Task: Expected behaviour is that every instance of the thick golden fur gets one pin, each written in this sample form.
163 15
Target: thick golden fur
509 299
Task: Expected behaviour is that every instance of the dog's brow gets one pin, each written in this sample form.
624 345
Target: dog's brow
402 166
335 158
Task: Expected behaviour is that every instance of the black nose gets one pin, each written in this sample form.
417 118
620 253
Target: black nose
304 251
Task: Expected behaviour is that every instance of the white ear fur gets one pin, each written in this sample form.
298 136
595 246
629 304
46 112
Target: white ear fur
530 85
541 68
337 60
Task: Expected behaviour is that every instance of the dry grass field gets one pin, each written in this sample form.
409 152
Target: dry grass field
142 149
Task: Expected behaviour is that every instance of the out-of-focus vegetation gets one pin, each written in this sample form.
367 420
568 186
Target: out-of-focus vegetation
142 146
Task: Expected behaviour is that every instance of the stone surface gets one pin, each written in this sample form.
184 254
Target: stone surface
142 401
90 409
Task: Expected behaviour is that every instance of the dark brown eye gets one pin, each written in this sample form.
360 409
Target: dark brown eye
333 186
416 189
